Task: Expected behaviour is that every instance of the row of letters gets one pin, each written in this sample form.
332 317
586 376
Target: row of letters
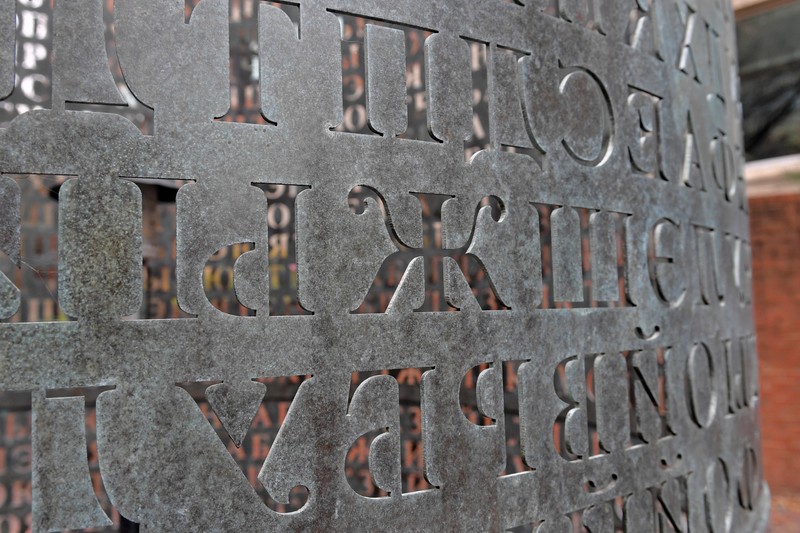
687 264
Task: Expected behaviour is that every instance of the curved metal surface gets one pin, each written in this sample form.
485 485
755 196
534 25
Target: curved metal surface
614 129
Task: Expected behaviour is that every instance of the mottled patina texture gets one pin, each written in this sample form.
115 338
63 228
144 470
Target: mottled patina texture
641 415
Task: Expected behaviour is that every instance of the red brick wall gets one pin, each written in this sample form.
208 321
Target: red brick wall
775 231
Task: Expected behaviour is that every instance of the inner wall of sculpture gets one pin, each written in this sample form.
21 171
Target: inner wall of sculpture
473 266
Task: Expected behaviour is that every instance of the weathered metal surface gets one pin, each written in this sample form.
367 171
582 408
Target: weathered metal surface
61 484
641 414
